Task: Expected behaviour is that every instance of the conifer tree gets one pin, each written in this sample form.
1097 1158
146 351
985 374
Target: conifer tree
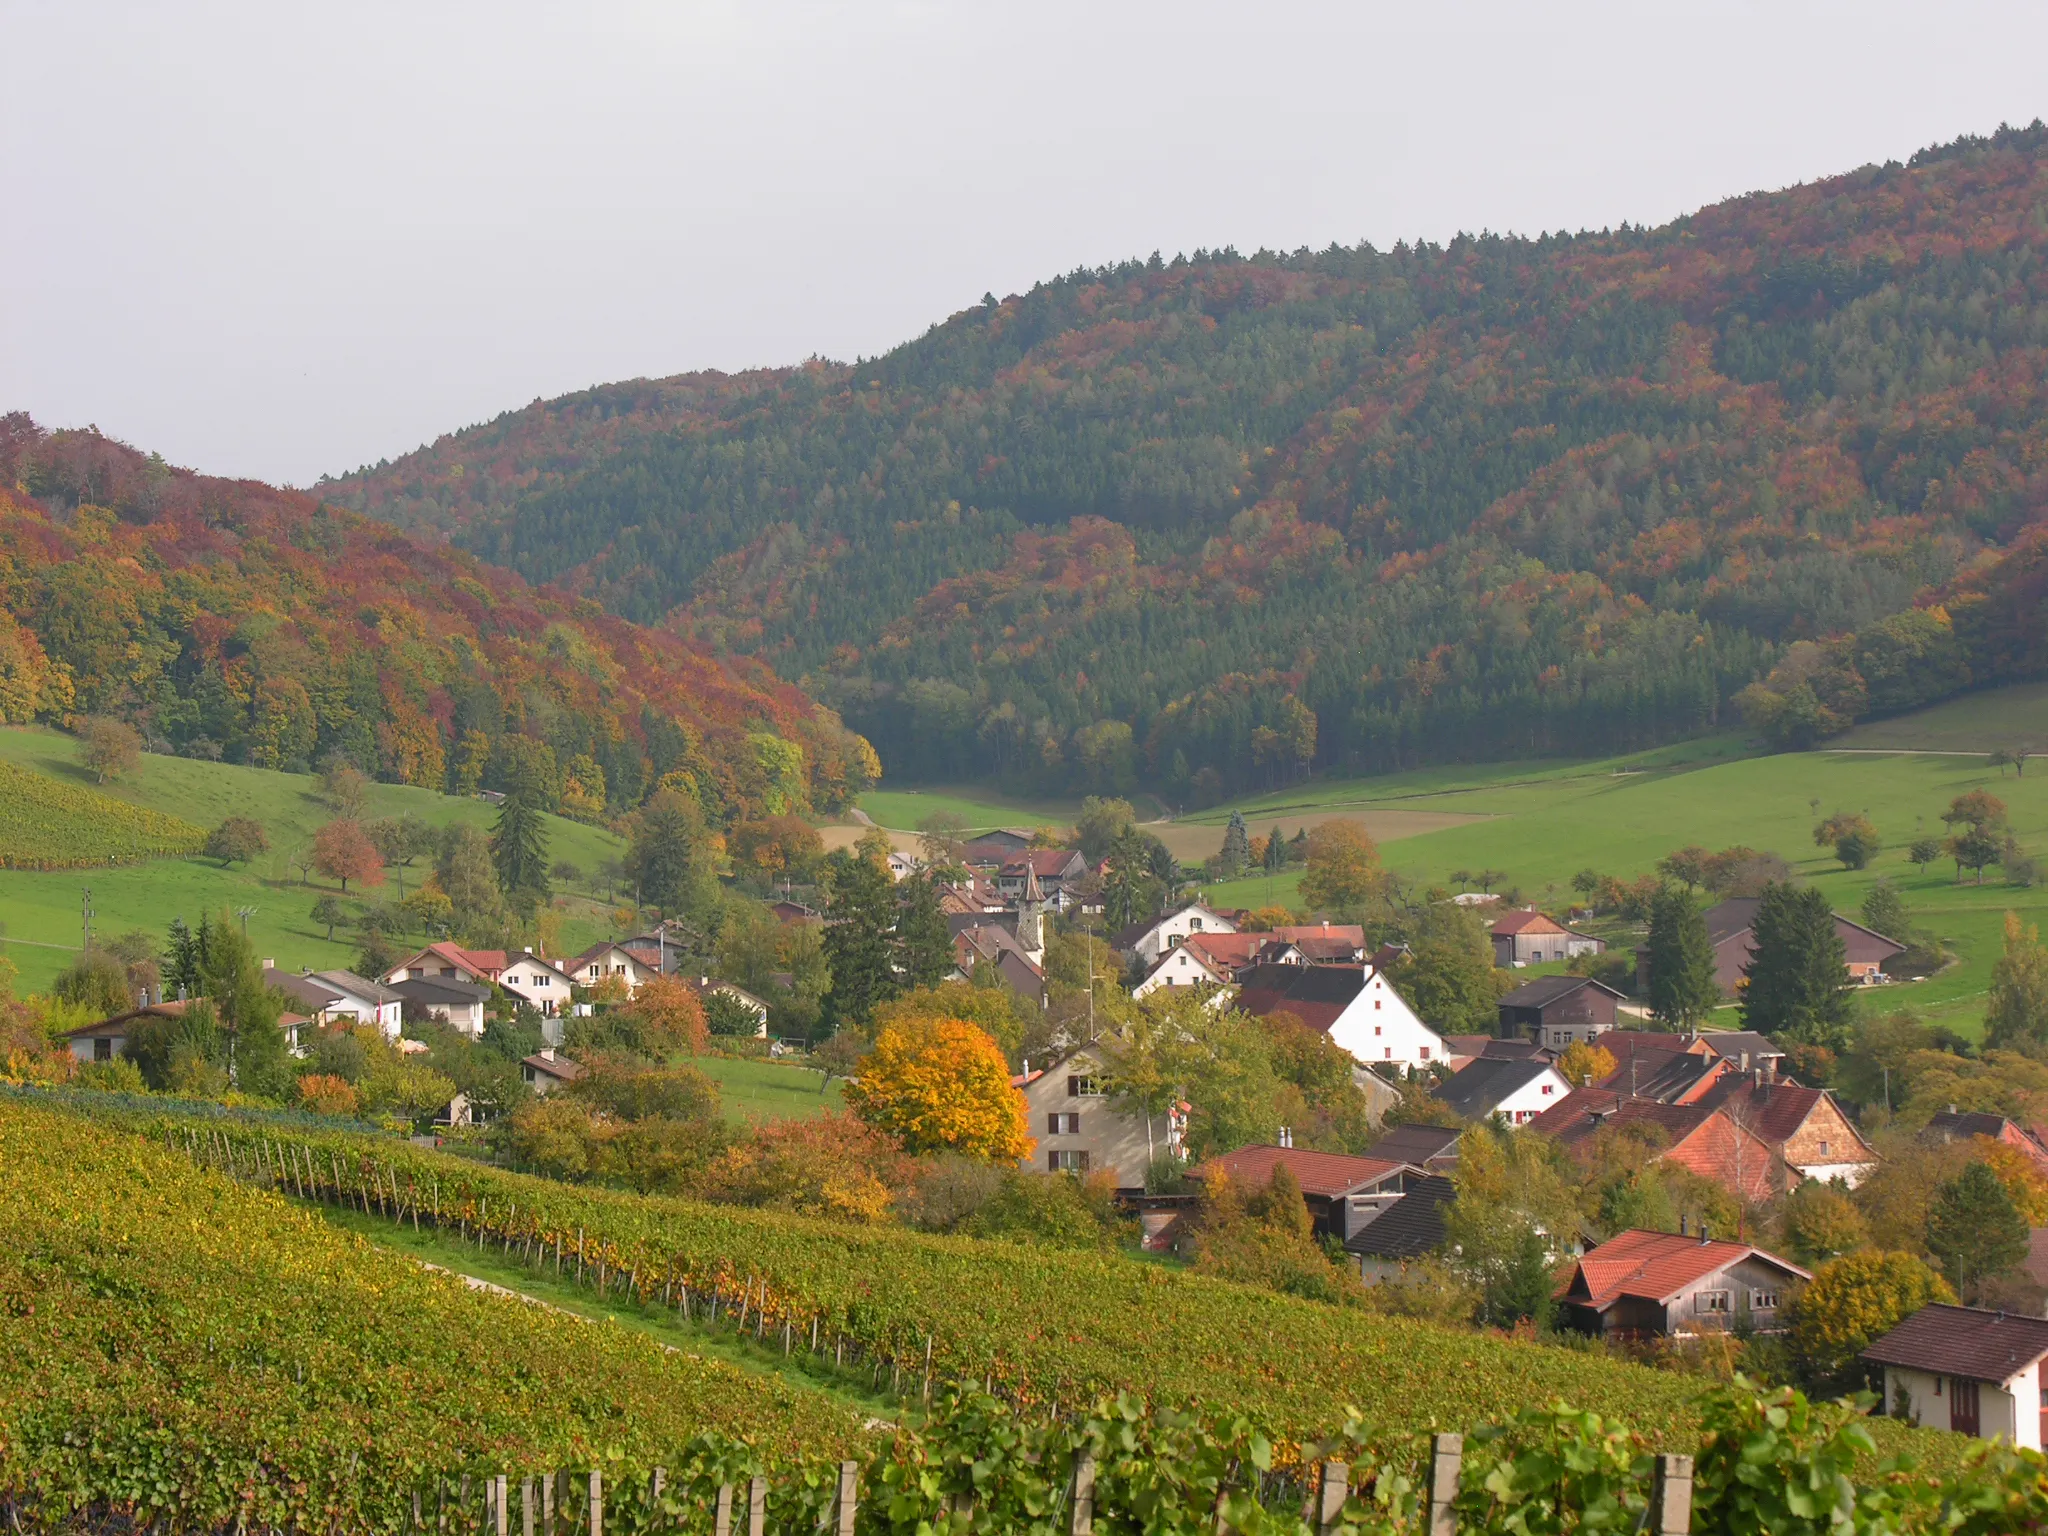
924 949
1683 990
519 848
1975 1230
1798 976
859 943
1237 846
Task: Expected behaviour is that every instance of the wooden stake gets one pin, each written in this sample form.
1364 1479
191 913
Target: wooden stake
1330 1508
596 1502
1446 1460
849 1496
757 1508
721 1522
1083 1522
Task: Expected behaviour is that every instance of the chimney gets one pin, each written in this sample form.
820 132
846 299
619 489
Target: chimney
1681 1224
547 1053
1588 1078
1770 1069
1705 1236
703 981
270 962
1743 1063
529 949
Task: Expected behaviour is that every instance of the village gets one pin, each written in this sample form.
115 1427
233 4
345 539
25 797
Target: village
1717 1110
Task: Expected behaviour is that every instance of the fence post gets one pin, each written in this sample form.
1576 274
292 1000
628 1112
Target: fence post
596 1502
1330 1508
849 1496
721 1523
1083 1523
498 1500
657 1483
757 1507
1671 1497
526 1506
1446 1457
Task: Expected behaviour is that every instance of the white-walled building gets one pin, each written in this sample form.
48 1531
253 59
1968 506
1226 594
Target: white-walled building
1357 1006
1152 938
1966 1369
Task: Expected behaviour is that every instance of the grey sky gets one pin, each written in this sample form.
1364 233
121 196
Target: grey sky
280 240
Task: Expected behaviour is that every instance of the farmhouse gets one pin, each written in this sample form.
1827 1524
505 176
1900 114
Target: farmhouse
1804 1127
1185 965
1703 1140
1558 1011
1967 1369
1056 871
1658 1284
1954 1125
1355 1005
1527 937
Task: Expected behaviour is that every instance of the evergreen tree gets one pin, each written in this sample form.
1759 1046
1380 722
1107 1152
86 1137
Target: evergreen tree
1130 890
924 947
181 969
1237 848
470 880
1683 991
232 980
1276 851
668 857
859 943
1975 1230
1884 911
519 848
1798 976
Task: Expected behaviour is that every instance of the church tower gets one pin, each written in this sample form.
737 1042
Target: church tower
1030 916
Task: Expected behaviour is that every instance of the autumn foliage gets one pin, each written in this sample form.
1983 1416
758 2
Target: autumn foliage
669 1016
941 1085
342 851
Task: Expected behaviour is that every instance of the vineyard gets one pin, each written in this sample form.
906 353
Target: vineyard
1042 1327
182 1351
46 823
171 1338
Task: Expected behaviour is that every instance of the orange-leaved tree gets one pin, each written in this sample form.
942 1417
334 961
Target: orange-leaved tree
941 1085
669 1016
343 851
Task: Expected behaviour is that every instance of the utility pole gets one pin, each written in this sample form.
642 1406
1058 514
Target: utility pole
85 917
245 913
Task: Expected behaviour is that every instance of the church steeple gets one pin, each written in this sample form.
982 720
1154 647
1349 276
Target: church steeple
1030 910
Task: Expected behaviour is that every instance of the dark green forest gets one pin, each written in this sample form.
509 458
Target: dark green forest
1213 522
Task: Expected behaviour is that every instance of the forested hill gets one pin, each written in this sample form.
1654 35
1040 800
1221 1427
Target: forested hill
228 619
1206 521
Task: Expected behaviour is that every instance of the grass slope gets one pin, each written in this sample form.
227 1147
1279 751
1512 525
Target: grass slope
1974 722
51 823
904 810
752 1091
40 911
1621 816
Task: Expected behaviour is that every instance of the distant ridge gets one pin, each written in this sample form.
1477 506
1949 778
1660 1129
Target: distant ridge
1214 521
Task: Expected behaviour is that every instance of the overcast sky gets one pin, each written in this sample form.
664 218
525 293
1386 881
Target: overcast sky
281 240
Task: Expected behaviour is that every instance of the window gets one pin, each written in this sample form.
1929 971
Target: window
1058 1124
1195 924
1937 1386
1710 1301
1763 1301
103 1048
1425 1053
1823 1147
1375 1004
1066 1162
1546 1090
1081 1086
1377 1030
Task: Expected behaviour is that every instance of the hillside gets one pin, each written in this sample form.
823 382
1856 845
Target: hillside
1349 509
230 621
39 909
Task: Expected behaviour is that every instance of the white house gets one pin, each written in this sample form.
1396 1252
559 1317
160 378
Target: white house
1153 937
706 989
1180 966
1355 1005
1967 1369
1516 1089
601 962
541 983
456 1003
328 997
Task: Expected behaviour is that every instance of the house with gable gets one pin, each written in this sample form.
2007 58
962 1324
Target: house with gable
1525 936
1952 1124
1640 1285
1185 965
1701 1139
1080 1129
1343 1193
449 961
331 997
1729 931
1151 937
1517 1091
1355 1005
1559 1011
1804 1127
1967 1369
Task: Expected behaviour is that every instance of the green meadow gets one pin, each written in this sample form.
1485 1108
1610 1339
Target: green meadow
1621 816
40 913
905 810
752 1091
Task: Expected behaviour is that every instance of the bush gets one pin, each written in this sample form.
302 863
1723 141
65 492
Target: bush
328 1095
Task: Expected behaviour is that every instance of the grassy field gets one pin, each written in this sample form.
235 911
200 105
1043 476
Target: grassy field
904 810
1975 722
752 1091
1621 817
40 912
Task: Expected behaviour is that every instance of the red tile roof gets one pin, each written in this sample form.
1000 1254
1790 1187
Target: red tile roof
1325 1174
1703 1140
1046 862
1654 1266
1294 933
1510 923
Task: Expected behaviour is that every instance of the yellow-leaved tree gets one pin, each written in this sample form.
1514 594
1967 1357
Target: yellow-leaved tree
1583 1062
941 1085
1853 1300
